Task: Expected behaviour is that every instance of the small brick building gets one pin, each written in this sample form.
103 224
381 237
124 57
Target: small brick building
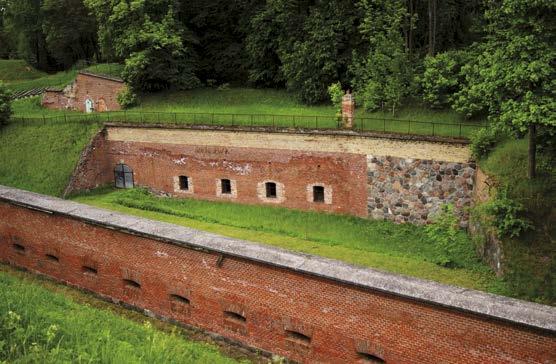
89 92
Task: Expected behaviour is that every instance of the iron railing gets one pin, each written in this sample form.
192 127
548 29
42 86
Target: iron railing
385 125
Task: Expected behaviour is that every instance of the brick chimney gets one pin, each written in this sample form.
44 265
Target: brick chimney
348 110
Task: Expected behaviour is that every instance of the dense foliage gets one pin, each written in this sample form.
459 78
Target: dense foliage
5 105
371 46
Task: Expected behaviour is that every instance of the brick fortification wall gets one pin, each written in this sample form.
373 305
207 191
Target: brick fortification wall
356 179
306 308
100 89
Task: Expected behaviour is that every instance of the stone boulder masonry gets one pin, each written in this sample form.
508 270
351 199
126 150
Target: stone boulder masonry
305 308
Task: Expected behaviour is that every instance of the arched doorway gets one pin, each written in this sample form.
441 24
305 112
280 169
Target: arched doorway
89 106
102 105
123 176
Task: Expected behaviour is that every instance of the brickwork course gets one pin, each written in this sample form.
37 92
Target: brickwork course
306 308
101 90
381 178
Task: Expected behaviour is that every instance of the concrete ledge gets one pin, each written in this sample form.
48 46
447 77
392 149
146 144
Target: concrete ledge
480 303
302 131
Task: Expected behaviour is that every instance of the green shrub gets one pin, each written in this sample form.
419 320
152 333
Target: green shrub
336 94
127 98
507 215
441 77
5 104
444 234
484 140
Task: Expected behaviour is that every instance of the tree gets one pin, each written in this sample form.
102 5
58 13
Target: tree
442 77
156 47
23 21
381 76
70 32
306 45
5 106
323 52
513 78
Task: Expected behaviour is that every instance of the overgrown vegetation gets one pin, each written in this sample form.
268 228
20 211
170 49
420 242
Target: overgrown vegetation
38 325
405 249
522 214
5 104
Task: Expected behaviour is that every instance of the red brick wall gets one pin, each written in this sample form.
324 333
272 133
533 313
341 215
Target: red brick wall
97 88
54 100
344 175
339 318
91 170
103 91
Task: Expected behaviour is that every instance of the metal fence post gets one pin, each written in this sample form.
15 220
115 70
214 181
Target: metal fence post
460 130
432 129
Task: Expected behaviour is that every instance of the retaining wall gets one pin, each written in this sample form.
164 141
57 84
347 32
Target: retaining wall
303 307
402 180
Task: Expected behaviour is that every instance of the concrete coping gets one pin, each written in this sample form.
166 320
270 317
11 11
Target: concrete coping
303 131
484 304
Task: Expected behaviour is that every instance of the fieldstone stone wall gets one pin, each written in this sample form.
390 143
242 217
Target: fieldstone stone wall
413 190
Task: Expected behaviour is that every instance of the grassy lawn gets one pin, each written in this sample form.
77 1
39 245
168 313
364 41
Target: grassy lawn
18 76
264 107
39 157
383 245
41 322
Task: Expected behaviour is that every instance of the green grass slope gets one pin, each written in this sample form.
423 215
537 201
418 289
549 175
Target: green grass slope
19 76
38 325
531 258
15 69
41 157
383 245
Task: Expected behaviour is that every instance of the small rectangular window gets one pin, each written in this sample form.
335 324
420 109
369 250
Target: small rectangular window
52 258
370 358
271 190
89 270
184 183
18 248
234 316
226 186
318 194
179 299
298 337
131 283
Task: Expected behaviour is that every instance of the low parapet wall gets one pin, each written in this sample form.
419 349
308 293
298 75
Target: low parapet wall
303 307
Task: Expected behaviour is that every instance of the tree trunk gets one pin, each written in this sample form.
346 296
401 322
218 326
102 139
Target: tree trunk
532 151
